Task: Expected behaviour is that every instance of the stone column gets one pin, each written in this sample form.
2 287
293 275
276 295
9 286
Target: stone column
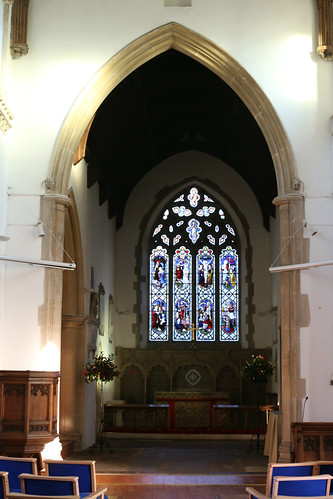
53 207
71 393
291 210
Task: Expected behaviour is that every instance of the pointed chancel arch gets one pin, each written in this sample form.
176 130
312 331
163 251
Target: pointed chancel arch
289 201
177 37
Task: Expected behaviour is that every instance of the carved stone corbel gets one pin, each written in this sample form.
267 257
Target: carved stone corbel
325 29
18 42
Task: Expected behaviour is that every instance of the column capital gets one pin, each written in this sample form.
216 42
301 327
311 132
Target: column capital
288 198
58 199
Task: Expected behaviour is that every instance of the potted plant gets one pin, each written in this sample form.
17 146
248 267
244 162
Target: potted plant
101 369
258 369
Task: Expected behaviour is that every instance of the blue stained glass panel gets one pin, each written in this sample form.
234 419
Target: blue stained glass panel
229 300
159 290
182 294
193 228
205 295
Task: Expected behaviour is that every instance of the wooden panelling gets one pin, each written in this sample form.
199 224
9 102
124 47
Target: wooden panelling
313 441
28 411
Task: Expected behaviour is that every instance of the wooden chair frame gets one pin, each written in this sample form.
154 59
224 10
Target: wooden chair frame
17 495
255 494
324 467
15 466
4 484
50 483
301 480
286 469
64 468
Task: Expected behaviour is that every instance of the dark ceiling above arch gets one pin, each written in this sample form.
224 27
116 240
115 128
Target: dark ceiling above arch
169 105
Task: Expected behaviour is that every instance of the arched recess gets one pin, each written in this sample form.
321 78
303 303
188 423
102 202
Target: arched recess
239 221
289 201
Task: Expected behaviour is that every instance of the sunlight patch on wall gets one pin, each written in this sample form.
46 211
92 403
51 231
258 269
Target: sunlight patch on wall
50 358
300 76
52 450
60 84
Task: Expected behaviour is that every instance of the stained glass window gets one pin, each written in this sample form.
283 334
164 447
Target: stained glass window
194 273
182 294
159 299
205 295
229 294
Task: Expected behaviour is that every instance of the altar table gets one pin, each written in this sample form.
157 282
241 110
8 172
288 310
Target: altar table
191 409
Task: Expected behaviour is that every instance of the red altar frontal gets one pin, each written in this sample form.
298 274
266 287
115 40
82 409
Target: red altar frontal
191 409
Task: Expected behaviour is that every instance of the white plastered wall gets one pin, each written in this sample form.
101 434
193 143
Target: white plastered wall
69 41
98 247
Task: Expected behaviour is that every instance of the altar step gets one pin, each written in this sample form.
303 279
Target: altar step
184 486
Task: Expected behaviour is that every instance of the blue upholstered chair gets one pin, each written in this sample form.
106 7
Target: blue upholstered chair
255 494
84 470
49 485
19 495
4 485
15 466
287 469
306 486
325 467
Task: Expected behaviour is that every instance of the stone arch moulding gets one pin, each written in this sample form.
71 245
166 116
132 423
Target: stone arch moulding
141 50
289 200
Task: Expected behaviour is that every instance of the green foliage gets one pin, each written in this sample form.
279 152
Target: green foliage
258 369
100 368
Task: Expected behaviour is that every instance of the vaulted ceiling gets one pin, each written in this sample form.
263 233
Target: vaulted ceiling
169 105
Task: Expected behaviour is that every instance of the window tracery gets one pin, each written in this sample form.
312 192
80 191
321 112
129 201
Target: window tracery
194 273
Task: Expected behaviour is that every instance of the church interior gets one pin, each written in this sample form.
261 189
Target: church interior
166 229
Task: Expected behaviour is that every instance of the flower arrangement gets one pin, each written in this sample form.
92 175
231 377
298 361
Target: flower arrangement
258 369
100 368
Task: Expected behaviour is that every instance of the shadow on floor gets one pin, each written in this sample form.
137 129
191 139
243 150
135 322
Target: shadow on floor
177 456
